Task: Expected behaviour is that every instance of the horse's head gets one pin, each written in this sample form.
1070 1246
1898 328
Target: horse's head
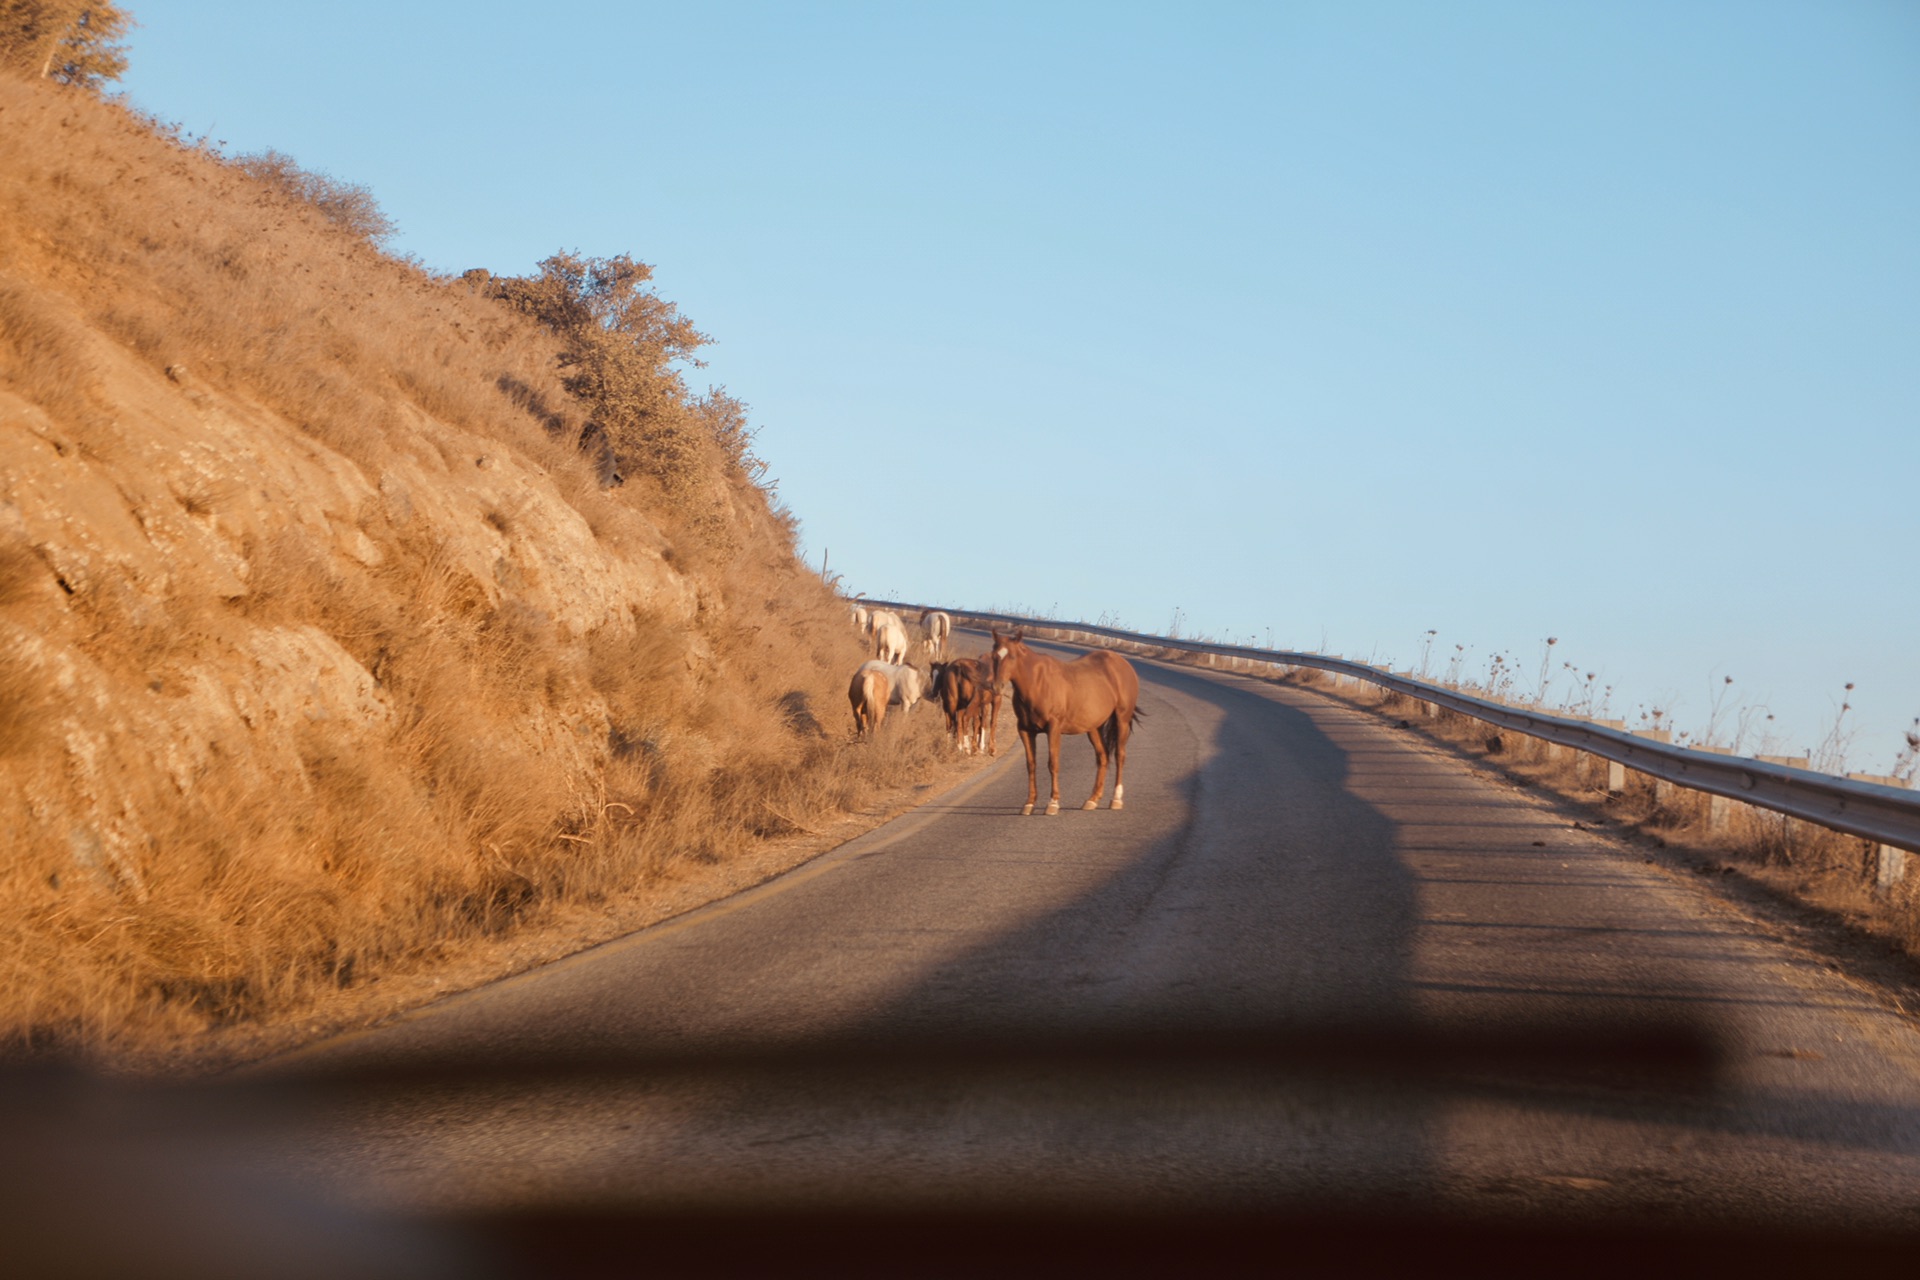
1006 651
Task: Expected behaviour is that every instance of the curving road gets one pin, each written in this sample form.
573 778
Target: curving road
1448 977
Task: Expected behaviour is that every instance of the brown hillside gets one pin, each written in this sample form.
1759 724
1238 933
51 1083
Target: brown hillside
321 646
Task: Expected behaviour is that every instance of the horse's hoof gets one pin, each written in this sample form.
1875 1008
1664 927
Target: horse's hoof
1118 804
1091 805
1053 807
1027 811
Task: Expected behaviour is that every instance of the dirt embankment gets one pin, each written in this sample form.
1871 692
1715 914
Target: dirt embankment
324 652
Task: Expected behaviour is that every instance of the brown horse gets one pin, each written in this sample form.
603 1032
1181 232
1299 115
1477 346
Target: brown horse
1097 694
868 692
967 694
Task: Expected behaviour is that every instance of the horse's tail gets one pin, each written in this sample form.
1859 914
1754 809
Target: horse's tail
1110 728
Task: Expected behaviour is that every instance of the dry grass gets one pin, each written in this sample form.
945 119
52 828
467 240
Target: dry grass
44 355
156 889
188 261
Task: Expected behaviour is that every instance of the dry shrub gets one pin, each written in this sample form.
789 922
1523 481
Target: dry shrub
1902 908
23 701
248 897
44 354
348 205
23 574
23 682
292 584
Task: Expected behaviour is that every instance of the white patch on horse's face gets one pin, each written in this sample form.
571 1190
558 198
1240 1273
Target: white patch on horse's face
1001 652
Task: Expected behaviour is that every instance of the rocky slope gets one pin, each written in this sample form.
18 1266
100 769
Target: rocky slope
321 645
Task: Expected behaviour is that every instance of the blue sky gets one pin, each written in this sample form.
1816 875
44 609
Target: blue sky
1333 322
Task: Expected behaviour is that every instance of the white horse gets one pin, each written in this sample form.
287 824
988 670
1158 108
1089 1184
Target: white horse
860 618
889 635
908 686
935 627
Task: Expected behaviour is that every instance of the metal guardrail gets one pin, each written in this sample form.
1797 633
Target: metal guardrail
1888 815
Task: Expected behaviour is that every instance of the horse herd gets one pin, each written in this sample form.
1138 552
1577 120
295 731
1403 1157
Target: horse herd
1097 694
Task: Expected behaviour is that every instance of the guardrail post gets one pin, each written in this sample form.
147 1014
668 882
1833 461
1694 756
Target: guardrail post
1890 867
1660 788
1616 772
1889 861
1790 762
1719 808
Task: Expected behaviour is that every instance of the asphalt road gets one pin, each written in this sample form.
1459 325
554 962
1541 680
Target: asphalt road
1472 972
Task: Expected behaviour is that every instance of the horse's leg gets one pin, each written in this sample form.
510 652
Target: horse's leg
1033 766
1100 774
1122 728
1053 770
